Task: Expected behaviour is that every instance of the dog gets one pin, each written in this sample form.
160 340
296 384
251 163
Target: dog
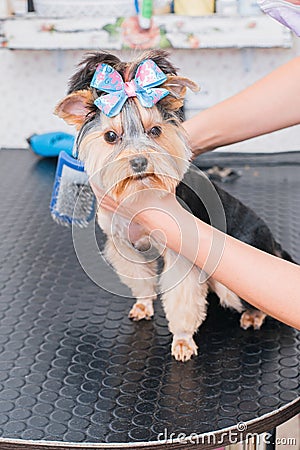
130 136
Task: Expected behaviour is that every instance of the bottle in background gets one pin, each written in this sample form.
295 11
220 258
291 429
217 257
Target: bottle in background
194 7
146 12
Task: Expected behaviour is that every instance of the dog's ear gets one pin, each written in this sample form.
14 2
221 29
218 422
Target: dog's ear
177 87
75 107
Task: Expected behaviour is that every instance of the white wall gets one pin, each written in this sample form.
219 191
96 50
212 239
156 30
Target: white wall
32 82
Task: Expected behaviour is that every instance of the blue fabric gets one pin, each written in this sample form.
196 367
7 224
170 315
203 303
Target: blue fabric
51 144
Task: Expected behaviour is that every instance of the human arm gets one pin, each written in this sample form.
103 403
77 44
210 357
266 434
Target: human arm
269 283
270 104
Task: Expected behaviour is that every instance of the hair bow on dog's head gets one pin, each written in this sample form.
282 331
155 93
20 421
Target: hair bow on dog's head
143 86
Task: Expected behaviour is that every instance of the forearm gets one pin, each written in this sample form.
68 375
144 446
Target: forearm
267 282
270 104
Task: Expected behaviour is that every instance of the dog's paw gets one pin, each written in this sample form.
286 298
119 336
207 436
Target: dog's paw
141 311
252 318
183 349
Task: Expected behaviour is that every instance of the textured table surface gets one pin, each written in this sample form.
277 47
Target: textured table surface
75 369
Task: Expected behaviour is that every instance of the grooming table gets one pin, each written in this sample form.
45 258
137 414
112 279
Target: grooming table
74 370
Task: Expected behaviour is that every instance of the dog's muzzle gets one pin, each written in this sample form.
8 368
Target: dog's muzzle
139 164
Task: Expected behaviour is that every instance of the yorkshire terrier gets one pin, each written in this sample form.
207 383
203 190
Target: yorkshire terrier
128 116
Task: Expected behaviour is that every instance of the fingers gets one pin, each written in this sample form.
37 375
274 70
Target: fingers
149 200
104 200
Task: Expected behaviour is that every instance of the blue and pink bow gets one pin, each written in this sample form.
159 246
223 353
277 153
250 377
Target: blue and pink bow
143 86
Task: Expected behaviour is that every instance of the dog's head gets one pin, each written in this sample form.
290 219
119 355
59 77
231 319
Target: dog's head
139 147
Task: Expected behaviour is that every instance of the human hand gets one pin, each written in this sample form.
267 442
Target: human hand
140 207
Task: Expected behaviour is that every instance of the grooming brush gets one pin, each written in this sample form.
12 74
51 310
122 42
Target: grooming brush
72 201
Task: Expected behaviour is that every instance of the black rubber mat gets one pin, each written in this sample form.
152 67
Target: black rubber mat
74 368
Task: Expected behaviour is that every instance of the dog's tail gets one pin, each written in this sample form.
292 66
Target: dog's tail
283 253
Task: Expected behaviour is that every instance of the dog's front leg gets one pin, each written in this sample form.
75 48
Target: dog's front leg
184 300
136 273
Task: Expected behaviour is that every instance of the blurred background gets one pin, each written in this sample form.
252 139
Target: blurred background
224 45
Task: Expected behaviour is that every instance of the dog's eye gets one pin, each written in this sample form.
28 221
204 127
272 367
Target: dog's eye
111 137
155 132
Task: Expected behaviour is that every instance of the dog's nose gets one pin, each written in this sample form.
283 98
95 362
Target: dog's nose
139 164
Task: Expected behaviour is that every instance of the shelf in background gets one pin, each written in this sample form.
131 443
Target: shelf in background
168 31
